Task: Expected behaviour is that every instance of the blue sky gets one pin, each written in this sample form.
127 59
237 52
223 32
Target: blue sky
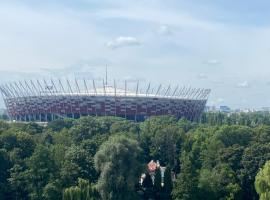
222 45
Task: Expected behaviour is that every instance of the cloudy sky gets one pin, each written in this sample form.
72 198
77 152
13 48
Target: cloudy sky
222 45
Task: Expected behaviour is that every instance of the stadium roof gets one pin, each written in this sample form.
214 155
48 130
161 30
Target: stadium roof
58 88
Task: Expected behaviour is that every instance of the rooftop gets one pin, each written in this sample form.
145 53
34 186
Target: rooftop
83 88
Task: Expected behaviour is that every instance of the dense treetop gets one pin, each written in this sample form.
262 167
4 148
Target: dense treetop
216 157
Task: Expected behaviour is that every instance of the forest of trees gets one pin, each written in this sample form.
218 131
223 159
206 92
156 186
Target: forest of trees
219 156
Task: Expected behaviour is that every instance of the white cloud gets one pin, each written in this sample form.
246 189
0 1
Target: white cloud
164 30
158 15
220 100
51 38
244 84
217 82
216 102
212 62
131 79
123 42
45 36
202 76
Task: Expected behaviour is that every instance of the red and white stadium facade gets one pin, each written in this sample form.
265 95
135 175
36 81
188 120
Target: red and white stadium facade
48 100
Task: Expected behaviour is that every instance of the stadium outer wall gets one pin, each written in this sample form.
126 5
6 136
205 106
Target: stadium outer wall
47 108
49 105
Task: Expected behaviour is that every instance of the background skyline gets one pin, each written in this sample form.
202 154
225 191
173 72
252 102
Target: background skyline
224 45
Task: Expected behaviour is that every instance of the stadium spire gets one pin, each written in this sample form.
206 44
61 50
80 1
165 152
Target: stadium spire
106 82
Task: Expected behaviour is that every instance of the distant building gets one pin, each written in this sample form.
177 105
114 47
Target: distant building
3 111
224 109
48 100
210 109
265 109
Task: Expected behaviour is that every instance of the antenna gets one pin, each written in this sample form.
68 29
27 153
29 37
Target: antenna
106 82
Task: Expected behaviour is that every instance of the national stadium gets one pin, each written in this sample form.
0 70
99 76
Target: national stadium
47 100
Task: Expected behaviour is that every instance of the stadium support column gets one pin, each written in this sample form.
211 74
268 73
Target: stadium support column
146 94
64 98
115 99
86 89
39 90
5 100
136 112
37 93
78 96
105 99
156 95
49 98
71 99
95 90
125 99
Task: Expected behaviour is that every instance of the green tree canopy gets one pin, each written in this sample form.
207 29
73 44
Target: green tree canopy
262 182
118 161
83 191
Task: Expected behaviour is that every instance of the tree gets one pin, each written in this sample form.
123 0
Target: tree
166 144
78 163
59 124
18 182
254 157
21 141
168 185
41 169
3 126
124 126
157 181
83 191
186 184
52 190
118 161
32 128
147 181
218 183
230 135
4 166
262 182
147 185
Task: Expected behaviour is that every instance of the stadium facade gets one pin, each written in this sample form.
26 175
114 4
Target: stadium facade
47 100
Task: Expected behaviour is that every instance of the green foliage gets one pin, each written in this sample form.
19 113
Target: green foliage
32 128
253 159
18 182
4 117
157 182
147 182
118 161
262 182
186 184
41 169
230 135
218 183
83 191
77 163
3 126
161 139
88 127
168 185
246 119
147 186
59 124
52 191
216 157
4 166
19 145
